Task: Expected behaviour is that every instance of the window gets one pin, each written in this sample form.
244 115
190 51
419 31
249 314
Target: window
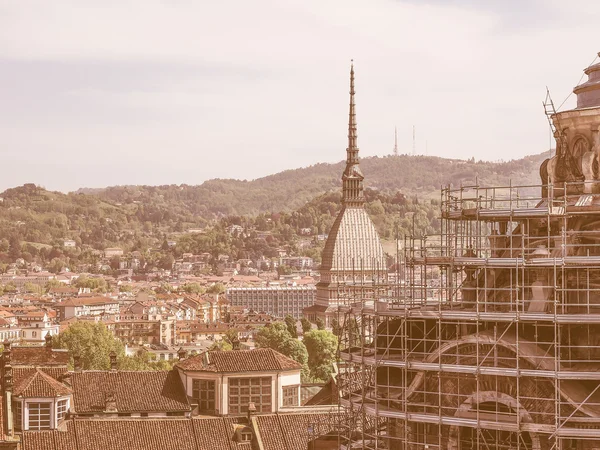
204 392
290 396
18 415
245 390
39 416
246 436
61 409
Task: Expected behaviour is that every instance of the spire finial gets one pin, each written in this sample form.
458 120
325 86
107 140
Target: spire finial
352 144
352 178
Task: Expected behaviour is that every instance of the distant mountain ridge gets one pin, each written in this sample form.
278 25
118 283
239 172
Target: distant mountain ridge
290 189
34 222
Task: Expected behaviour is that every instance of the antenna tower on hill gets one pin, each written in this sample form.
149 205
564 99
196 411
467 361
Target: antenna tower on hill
395 141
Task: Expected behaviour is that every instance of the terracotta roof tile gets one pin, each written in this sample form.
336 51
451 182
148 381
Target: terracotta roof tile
38 356
212 434
278 432
134 391
23 371
256 360
132 434
271 433
135 435
292 431
39 385
82 301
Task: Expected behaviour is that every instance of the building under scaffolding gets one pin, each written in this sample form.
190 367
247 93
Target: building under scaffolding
492 340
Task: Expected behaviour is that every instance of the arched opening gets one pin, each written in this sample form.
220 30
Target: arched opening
494 408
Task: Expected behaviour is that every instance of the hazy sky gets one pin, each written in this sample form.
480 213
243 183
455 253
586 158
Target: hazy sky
105 92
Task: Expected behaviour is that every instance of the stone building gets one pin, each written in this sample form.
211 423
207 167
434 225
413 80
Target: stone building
278 301
237 400
353 263
505 354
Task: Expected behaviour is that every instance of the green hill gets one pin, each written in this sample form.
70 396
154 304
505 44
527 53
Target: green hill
34 222
290 189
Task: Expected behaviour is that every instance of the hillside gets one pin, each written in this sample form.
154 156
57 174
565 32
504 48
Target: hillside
290 189
35 222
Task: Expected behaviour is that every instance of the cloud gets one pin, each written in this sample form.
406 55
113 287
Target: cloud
182 91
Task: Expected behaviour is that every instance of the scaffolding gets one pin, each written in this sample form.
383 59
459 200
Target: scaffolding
489 337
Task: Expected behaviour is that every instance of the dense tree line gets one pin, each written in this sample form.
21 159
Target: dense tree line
403 199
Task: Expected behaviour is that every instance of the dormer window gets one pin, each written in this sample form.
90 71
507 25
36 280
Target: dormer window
246 436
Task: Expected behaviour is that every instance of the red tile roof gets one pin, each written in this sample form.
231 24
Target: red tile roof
257 360
56 372
278 432
134 391
39 385
132 434
81 301
38 356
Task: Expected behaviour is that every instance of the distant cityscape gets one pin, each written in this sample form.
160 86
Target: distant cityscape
286 313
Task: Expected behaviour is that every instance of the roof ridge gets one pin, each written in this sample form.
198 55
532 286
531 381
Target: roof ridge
54 383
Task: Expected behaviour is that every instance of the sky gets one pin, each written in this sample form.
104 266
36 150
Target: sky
107 92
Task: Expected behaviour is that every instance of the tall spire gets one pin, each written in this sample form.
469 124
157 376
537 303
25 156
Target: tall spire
352 179
352 149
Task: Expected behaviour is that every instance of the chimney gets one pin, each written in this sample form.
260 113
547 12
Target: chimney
181 354
77 363
110 402
251 410
113 361
235 343
7 385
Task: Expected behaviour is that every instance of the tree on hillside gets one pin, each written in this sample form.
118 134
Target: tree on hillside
166 262
306 325
14 248
320 324
321 346
226 342
125 288
290 323
272 335
31 288
335 327
94 284
277 337
93 342
50 284
193 288
217 288
115 263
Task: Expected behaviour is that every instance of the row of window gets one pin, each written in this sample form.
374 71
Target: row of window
245 390
241 392
38 414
